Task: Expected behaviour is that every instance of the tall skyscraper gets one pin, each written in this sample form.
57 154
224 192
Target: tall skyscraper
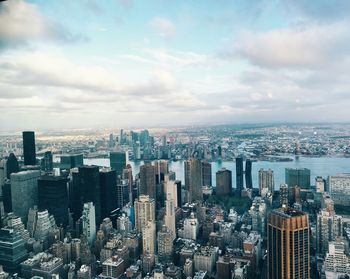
149 238
47 162
161 169
169 217
29 148
89 223
69 161
171 190
148 180
108 186
122 192
288 244
89 188
298 177
320 184
11 165
284 198
117 161
53 196
339 188
266 182
239 175
223 182
206 174
248 174
145 210
193 179
165 245
24 192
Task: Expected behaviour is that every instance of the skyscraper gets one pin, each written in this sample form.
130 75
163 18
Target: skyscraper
108 181
47 162
117 161
206 174
89 188
165 245
149 238
223 182
288 244
89 223
148 180
266 182
29 148
298 177
53 196
169 217
248 174
193 179
284 201
11 165
69 161
239 175
24 192
145 210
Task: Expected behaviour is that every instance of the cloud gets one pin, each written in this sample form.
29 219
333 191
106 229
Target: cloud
163 26
314 46
22 22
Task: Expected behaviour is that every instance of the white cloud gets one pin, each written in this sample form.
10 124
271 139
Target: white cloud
163 26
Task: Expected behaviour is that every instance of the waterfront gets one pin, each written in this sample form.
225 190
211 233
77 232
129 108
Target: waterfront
319 166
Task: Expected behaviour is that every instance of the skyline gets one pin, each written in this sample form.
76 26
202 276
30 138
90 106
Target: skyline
123 63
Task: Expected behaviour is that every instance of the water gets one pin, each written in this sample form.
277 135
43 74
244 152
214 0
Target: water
322 166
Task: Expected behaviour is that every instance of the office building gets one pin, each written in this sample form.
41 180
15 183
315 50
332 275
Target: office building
117 161
161 169
223 182
284 200
53 196
288 244
337 262
266 182
24 192
144 211
169 218
165 244
69 161
122 192
40 223
11 165
108 187
320 184
149 238
47 162
84 272
112 268
205 259
248 174
29 148
206 174
193 179
339 188
89 222
12 249
258 214
239 175
148 181
298 177
191 228
171 190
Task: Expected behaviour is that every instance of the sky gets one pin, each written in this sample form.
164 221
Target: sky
131 63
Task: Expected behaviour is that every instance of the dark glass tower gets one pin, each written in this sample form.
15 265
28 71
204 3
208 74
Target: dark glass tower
53 196
206 174
193 179
29 148
223 182
179 193
47 162
148 181
108 185
239 175
118 162
248 174
298 177
288 244
11 165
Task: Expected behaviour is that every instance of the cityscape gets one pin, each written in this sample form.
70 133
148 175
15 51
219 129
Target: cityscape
174 139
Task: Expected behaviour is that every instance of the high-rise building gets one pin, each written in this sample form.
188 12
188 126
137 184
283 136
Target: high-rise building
127 174
117 161
149 238
47 162
108 187
298 177
248 174
320 184
165 245
89 222
239 175
148 180
284 201
258 214
12 248
144 211
69 161
223 182
169 218
337 262
53 196
40 223
24 192
161 169
206 174
122 193
266 182
89 188
113 267
11 165
288 244
193 179
171 190
339 188
29 148
191 228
